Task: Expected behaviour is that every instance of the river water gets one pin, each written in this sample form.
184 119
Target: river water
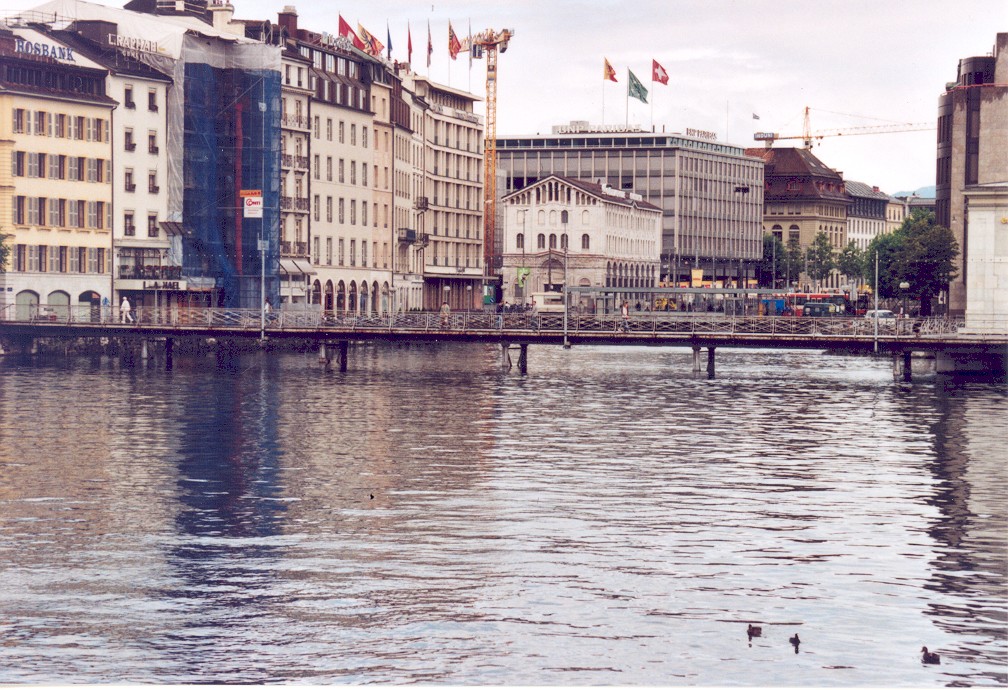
427 517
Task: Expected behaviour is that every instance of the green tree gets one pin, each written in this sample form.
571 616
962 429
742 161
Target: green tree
850 262
887 248
819 258
926 258
4 253
793 261
771 268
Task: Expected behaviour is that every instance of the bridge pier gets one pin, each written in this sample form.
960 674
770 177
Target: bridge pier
144 350
696 360
343 346
907 365
169 349
505 356
710 362
523 358
323 354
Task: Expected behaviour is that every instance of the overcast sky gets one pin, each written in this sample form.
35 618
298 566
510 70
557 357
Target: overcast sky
855 63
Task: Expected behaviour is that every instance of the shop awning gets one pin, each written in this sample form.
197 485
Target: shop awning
296 267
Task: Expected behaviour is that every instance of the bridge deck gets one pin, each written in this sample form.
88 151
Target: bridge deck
694 329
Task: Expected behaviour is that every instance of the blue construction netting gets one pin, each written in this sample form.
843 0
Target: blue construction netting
231 143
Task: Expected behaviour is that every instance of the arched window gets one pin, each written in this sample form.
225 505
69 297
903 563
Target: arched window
585 217
563 241
585 241
553 240
541 241
541 217
520 240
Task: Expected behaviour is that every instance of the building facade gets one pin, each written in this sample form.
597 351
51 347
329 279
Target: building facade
563 231
972 140
710 193
868 215
803 198
55 176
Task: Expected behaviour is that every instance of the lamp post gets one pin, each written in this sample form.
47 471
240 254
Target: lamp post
904 286
566 242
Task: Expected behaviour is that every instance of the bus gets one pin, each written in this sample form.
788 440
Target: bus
796 300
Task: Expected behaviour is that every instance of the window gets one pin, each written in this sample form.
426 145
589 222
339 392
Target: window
152 146
130 184
152 104
363 253
328 209
585 241
328 168
353 252
341 252
340 212
128 142
152 225
19 120
328 251
552 240
364 174
353 172
128 97
316 206
520 241
363 211
317 166
353 135
341 178
152 185
364 137
33 165
353 212
129 228
328 128
541 241
341 137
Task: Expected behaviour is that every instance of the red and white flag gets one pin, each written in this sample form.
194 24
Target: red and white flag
607 70
409 45
373 45
454 45
658 73
430 45
346 32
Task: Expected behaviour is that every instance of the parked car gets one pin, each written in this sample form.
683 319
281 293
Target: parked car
886 317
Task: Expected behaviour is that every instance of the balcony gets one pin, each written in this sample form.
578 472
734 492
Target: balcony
153 149
290 203
130 146
153 189
130 187
301 162
421 203
130 105
407 235
287 160
295 249
294 121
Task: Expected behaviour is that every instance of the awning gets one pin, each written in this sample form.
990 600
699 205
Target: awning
172 228
294 267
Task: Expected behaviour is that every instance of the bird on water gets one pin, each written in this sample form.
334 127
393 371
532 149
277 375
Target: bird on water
754 631
929 657
795 641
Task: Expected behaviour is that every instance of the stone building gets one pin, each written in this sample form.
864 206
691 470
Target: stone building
565 231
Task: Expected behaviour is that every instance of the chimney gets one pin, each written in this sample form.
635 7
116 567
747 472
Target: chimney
875 189
287 19
221 13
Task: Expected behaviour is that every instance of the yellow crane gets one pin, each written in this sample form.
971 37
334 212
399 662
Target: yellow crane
807 136
490 43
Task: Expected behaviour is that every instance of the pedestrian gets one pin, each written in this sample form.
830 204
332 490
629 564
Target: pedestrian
445 313
125 311
625 313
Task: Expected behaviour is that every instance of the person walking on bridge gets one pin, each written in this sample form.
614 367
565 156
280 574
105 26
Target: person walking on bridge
445 314
125 311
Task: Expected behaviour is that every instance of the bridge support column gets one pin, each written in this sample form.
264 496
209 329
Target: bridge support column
710 362
907 366
696 360
144 350
169 351
343 347
523 358
505 355
323 354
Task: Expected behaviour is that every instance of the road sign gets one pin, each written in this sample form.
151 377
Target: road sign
253 207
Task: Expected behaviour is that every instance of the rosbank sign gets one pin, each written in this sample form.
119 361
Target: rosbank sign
46 50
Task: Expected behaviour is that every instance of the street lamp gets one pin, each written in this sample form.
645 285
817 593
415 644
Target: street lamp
566 242
904 286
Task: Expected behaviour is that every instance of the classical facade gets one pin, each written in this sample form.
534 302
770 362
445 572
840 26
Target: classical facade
972 140
56 176
710 193
803 198
564 231
987 288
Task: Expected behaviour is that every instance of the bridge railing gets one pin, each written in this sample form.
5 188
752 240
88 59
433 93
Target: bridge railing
655 323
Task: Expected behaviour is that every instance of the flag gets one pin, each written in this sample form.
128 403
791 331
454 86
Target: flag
430 45
755 116
346 32
374 46
453 43
635 89
522 275
607 71
409 44
388 40
658 73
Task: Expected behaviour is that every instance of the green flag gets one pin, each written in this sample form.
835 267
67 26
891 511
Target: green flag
635 89
522 274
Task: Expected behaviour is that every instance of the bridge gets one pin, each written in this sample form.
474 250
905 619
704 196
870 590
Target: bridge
20 327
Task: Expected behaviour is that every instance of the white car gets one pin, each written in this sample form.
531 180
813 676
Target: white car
886 317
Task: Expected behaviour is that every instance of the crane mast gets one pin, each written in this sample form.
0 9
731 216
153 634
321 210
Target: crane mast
492 43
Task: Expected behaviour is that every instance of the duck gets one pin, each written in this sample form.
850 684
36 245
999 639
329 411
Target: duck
794 640
754 631
929 657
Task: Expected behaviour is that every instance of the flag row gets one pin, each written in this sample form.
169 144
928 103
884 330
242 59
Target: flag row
364 40
635 89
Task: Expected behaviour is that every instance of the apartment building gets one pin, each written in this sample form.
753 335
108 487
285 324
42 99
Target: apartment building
55 175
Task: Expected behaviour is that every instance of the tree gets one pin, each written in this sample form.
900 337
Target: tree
4 253
886 247
850 262
819 258
793 261
926 258
771 267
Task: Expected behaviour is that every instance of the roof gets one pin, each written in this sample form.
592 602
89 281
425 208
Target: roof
860 189
794 173
604 193
113 60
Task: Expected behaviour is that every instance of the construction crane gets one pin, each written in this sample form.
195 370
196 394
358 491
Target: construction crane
807 136
490 43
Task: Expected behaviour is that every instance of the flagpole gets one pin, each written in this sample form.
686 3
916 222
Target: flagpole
604 80
652 99
627 97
